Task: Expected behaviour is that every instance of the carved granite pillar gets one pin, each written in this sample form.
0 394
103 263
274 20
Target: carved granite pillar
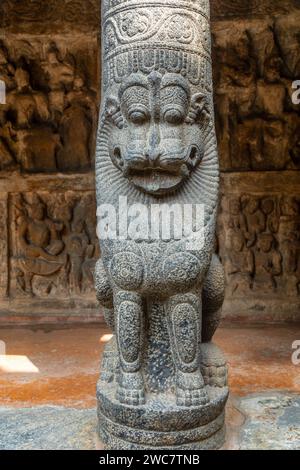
163 382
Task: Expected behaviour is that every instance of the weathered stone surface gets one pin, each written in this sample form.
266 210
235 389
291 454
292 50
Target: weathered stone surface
39 17
53 250
4 255
239 9
56 45
47 129
54 244
257 122
259 228
156 144
162 423
68 371
266 421
272 422
47 428
48 121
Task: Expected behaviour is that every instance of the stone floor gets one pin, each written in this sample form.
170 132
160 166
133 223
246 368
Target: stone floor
48 378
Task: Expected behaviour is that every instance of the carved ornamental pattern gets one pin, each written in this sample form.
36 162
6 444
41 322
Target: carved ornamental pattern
137 36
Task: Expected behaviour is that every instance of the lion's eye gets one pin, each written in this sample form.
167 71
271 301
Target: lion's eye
138 116
174 116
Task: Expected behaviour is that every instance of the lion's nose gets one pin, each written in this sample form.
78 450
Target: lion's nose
153 151
153 155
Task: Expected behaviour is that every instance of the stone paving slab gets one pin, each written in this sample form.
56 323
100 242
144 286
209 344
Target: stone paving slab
271 421
47 428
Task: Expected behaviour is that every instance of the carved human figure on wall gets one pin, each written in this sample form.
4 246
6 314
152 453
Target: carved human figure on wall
76 128
271 90
269 105
60 77
290 250
238 64
88 267
91 220
35 146
290 208
76 246
93 249
286 29
239 264
256 221
269 208
236 219
268 264
80 244
24 104
41 247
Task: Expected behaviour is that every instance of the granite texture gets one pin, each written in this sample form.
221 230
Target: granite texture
47 428
265 421
156 147
272 422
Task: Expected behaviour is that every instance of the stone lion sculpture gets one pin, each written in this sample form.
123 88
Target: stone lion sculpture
156 147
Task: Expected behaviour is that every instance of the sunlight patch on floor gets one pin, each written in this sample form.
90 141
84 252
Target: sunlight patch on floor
10 364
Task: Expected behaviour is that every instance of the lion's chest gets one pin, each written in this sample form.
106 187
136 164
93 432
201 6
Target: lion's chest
154 269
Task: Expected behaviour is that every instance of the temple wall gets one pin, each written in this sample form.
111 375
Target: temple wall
49 60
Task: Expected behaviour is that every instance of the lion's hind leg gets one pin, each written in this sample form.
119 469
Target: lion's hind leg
212 299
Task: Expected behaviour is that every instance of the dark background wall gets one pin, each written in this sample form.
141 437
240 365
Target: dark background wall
49 60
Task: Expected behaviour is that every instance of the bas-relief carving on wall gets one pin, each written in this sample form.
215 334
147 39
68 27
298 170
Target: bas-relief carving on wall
260 245
255 55
239 9
49 63
258 125
40 15
54 244
48 122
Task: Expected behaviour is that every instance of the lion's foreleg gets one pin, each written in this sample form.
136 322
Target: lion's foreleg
185 334
129 324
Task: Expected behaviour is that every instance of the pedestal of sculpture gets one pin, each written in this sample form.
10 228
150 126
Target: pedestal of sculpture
163 382
162 423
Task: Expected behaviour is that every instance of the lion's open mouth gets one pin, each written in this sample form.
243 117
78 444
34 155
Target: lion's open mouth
157 181
157 177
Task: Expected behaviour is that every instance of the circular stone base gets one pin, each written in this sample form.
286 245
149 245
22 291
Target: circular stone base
160 424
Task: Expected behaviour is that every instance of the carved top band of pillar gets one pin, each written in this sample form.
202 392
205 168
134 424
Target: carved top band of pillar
112 6
166 36
157 121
